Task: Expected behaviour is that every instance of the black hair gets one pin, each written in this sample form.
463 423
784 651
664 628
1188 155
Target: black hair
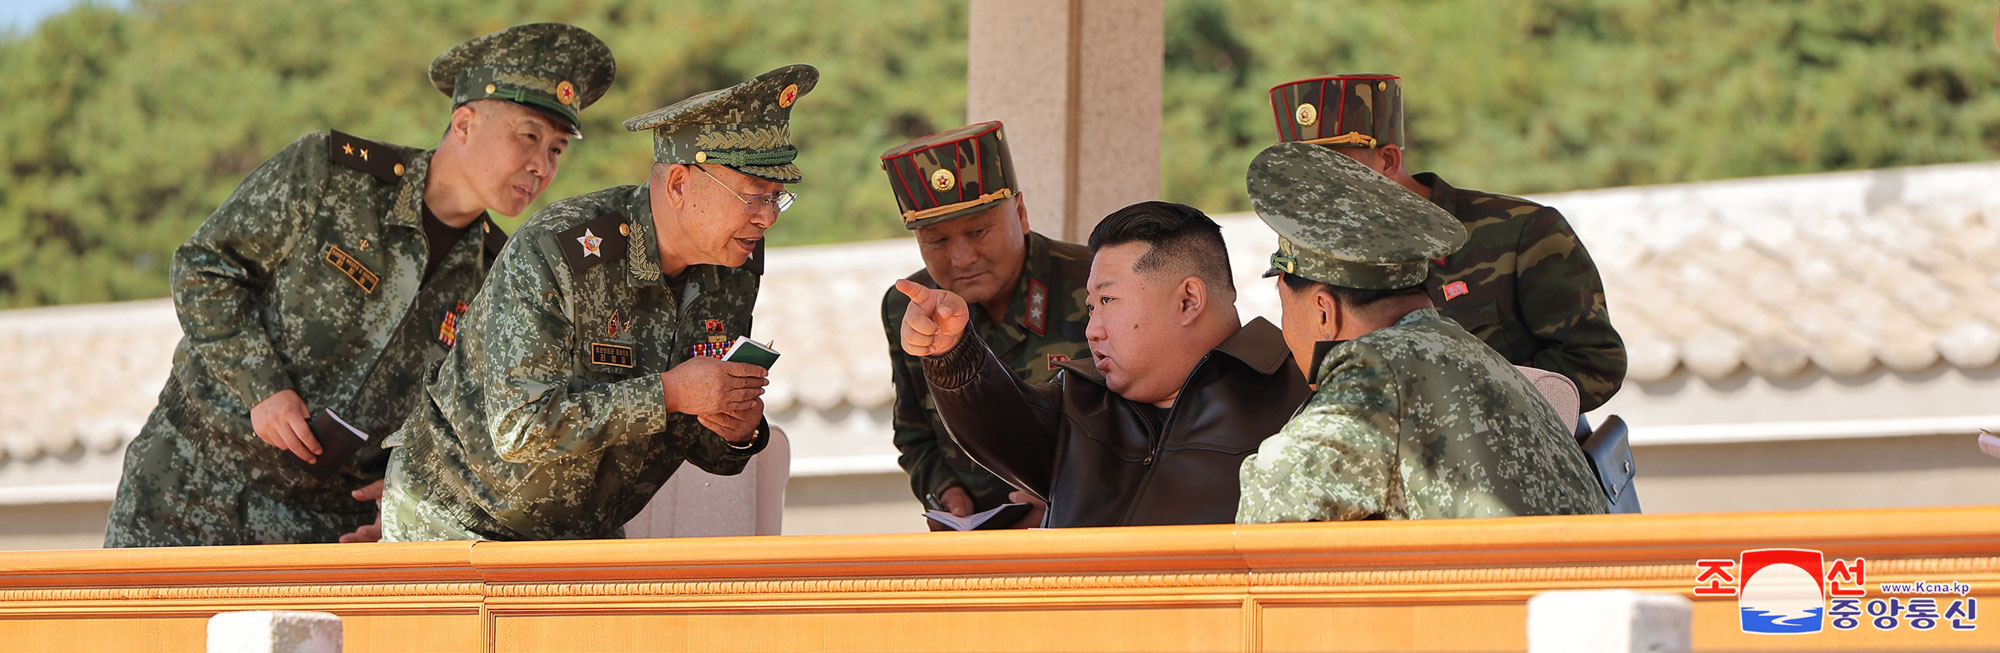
1350 297
1179 235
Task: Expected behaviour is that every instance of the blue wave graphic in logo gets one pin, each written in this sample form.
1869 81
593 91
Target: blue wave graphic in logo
1771 622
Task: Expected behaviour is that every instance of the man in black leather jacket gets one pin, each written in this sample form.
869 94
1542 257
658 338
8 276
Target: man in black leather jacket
1151 430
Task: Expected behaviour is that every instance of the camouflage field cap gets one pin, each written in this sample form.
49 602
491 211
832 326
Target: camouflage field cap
1340 222
553 68
1352 110
951 174
746 127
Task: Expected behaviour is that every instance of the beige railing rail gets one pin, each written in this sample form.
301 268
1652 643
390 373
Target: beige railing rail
1376 586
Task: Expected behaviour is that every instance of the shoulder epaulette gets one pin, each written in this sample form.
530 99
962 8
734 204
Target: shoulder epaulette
365 155
599 240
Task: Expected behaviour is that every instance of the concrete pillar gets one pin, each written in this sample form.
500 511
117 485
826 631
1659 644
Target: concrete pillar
1078 84
1609 621
274 632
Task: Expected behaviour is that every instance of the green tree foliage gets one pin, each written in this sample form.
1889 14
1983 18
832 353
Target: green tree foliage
126 127
121 129
1522 97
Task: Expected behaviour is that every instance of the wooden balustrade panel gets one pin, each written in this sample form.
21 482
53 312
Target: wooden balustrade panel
1377 586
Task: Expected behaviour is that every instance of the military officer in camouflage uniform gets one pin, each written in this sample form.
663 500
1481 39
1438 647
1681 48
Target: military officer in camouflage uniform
1523 282
958 192
330 280
588 369
1411 416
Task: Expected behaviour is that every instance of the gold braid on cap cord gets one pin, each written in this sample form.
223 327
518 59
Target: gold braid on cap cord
913 216
1349 138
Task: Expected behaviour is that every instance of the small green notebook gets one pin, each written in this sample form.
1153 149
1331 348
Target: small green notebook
745 350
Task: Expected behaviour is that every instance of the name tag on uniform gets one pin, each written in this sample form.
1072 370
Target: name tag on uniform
604 353
352 267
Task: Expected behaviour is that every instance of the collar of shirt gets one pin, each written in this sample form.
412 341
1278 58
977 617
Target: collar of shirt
1003 335
642 250
1442 194
408 211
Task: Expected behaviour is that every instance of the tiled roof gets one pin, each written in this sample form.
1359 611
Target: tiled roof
80 380
1783 277
1839 273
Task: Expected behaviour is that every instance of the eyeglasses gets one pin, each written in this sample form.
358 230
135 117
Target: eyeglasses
782 199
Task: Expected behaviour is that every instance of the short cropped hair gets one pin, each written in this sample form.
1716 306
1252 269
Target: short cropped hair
1182 240
1350 297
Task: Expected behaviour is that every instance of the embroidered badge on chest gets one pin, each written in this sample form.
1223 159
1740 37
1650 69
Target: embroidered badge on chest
352 267
448 329
612 329
1454 289
1038 307
1057 358
604 353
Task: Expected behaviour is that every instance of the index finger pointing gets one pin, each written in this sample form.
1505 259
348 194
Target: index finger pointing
917 293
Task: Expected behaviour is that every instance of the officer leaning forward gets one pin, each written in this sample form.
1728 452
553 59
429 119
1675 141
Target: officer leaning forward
958 192
588 369
1523 283
331 278
1411 417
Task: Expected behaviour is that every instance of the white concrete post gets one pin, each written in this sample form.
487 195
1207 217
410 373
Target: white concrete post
274 632
1078 84
1609 621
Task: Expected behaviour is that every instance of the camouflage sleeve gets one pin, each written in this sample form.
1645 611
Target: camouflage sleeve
1562 301
714 455
220 271
920 455
538 412
1333 460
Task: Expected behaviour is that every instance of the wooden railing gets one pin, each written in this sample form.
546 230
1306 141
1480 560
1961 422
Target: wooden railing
1374 586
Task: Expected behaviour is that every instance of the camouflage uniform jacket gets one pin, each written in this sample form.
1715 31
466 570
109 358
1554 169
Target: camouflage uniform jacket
548 420
1524 284
1044 328
308 278
1418 421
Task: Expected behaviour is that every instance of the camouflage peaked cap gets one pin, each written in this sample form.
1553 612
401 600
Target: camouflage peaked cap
951 174
1340 222
746 127
553 68
1352 110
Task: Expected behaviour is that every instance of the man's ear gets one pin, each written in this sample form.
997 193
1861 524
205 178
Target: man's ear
461 124
1021 212
1328 310
672 179
1392 160
1190 299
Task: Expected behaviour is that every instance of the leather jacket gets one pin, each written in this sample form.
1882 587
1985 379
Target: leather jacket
1102 460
